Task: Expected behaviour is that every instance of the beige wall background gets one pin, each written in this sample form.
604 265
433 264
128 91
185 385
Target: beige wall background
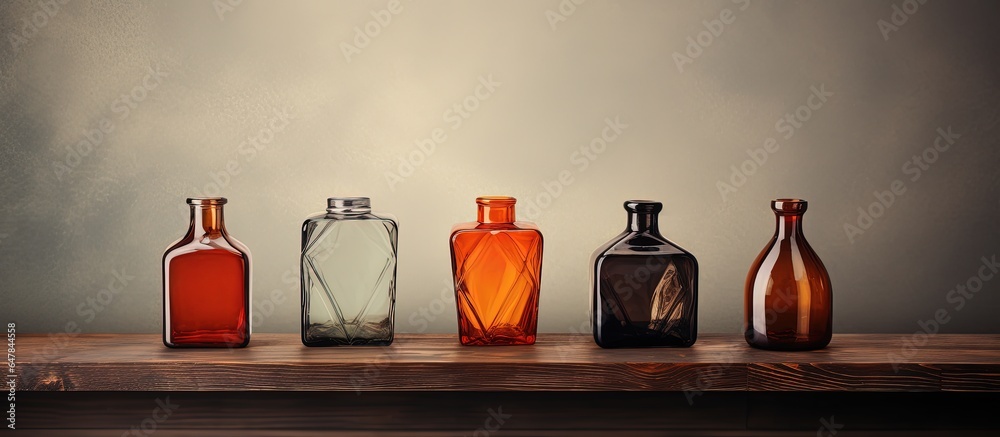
114 112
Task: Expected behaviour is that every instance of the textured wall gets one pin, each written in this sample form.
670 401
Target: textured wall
114 112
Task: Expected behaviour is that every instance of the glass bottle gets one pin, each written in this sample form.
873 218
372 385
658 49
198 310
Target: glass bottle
497 265
206 283
645 288
348 275
788 299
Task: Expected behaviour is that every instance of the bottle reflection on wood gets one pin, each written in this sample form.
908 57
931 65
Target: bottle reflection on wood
788 298
644 287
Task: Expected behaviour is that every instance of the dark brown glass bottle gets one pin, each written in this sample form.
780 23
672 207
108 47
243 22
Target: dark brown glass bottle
788 299
645 288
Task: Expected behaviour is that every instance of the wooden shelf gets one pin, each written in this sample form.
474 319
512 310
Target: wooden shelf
558 362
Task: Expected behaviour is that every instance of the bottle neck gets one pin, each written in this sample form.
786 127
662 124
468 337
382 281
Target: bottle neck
643 222
788 226
496 213
208 219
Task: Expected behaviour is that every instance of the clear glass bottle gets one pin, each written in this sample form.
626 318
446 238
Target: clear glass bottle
788 299
206 283
497 265
348 275
645 288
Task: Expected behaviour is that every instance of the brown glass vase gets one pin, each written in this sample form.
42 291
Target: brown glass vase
206 283
788 299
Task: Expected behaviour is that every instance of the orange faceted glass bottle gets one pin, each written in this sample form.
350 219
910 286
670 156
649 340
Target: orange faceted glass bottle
497 263
206 283
788 299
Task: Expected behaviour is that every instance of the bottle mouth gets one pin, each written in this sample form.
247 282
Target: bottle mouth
347 205
792 206
495 201
643 206
206 201
495 209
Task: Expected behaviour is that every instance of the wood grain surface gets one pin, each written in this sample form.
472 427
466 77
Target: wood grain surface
558 362
514 413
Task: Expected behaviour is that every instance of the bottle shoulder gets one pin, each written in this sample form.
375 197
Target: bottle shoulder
323 217
631 243
221 245
784 255
477 227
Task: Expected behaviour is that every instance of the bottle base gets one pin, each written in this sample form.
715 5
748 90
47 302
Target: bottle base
467 341
781 344
502 335
207 339
639 344
333 342
610 336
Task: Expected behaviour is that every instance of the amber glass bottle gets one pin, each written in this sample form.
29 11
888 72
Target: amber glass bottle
206 283
497 264
788 299
645 288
